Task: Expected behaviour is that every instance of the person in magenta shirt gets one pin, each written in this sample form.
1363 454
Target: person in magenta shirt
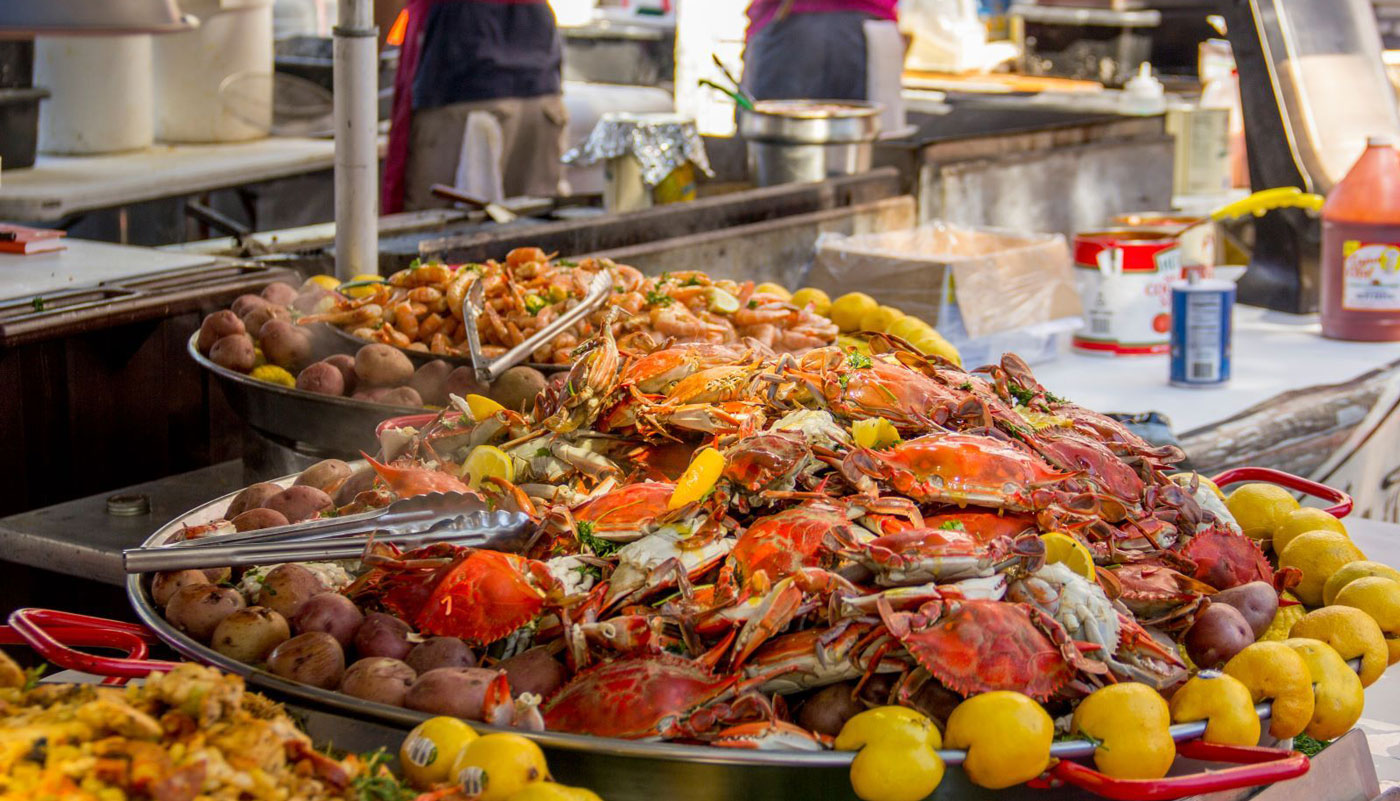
814 49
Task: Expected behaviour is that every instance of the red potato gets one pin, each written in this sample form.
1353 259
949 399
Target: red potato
379 679
253 496
534 671
383 635
299 503
326 475
345 363
462 382
430 382
321 378
828 709
440 652
279 293
1257 601
165 585
1220 632
401 396
254 519
286 588
332 613
285 344
382 365
217 326
313 658
244 304
234 352
361 480
459 692
199 608
259 317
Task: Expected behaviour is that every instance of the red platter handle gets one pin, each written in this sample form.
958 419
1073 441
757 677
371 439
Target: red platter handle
51 633
1341 502
1257 766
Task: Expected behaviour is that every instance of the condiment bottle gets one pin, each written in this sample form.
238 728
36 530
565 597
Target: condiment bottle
1361 248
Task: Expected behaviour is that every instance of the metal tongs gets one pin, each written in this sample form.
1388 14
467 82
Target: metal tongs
488 370
411 522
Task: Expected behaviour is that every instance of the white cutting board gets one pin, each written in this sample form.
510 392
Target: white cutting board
84 263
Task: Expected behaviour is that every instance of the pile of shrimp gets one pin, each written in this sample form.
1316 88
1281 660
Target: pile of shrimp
420 308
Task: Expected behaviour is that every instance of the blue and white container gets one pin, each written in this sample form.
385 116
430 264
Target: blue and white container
1202 310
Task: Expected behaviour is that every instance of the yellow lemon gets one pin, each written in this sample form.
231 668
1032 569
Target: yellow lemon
259 358
880 318
1223 702
323 281
1131 724
720 301
895 772
817 299
698 479
1351 571
482 407
1273 671
1064 548
1301 521
910 328
273 374
1378 597
1352 633
1284 618
875 432
431 749
936 345
1259 508
493 767
1318 554
769 288
487 461
1007 736
1337 692
850 343
887 725
848 310
361 286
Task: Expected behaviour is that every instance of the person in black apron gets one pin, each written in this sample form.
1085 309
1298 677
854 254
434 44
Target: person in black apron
812 49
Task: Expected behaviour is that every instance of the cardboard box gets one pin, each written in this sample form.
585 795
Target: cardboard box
998 280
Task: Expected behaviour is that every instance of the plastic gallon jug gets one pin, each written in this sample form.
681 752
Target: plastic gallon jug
1361 248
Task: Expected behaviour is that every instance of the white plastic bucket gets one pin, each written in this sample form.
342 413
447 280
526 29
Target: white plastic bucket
100 93
234 38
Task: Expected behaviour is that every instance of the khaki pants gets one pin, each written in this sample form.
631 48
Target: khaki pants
533 130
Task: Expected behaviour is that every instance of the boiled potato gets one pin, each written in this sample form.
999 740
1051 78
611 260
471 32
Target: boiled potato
345 363
401 396
462 382
827 710
244 304
379 679
286 588
1219 633
440 652
166 584
325 475
534 671
234 352
382 366
252 497
254 519
279 293
199 608
517 387
430 382
256 319
459 692
250 634
299 503
383 635
285 344
332 613
313 658
217 326
322 378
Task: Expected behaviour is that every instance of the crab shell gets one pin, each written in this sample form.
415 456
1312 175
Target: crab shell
406 482
956 468
765 461
1225 559
626 513
918 556
982 526
783 543
480 596
979 646
634 698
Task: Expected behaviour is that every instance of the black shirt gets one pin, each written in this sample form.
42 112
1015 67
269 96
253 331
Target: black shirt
487 50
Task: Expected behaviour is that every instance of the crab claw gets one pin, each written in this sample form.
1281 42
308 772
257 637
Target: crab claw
407 482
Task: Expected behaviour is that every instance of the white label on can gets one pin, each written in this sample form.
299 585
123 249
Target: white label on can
1129 309
1370 276
1203 336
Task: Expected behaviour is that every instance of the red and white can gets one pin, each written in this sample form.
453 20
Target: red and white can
1124 279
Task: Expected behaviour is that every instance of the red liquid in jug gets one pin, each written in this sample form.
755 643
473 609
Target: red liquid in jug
1361 249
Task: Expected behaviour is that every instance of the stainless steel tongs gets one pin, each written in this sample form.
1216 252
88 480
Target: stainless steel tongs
412 522
488 370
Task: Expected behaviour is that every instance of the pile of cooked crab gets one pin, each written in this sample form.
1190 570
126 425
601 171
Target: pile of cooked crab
814 569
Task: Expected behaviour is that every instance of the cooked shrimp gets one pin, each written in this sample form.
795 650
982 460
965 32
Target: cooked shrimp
405 319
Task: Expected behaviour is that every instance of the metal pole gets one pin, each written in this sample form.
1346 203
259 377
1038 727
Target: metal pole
356 92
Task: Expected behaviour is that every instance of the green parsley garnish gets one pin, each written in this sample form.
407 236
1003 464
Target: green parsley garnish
655 298
965 386
37 303
753 304
542 453
566 263
376 784
858 361
32 676
415 264
1022 395
952 525
534 304
598 545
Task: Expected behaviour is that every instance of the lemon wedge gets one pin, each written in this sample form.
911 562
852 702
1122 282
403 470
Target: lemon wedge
486 461
875 432
698 479
482 407
1061 547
